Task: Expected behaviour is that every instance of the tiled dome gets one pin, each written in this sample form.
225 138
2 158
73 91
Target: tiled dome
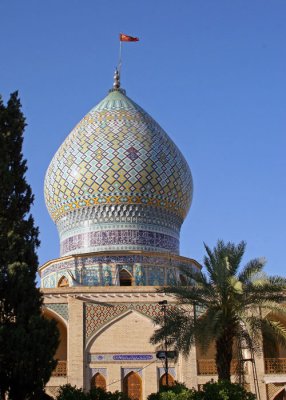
118 182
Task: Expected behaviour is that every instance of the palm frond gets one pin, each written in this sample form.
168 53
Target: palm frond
178 327
252 268
274 330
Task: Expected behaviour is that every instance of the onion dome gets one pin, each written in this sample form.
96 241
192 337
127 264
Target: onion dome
118 182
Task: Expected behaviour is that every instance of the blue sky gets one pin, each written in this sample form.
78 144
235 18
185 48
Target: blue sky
211 72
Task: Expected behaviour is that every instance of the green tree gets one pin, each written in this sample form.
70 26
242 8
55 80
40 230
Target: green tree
226 305
27 340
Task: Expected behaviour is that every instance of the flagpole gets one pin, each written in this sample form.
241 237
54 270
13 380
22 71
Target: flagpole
120 57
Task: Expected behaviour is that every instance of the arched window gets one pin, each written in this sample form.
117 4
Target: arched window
163 381
98 381
132 386
125 278
63 282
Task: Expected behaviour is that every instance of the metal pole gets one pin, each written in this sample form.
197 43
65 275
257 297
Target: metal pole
166 349
164 304
120 58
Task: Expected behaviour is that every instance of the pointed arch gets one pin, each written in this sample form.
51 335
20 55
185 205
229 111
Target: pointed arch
63 282
163 380
98 381
132 386
61 352
281 395
125 278
111 322
273 349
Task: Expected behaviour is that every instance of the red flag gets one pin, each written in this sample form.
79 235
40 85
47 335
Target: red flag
126 38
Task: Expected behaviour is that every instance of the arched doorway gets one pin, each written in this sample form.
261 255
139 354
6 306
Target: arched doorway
98 381
125 278
132 386
163 381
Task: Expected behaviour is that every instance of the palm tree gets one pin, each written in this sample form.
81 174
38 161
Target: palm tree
226 305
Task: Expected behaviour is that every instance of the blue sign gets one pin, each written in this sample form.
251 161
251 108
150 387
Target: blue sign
132 357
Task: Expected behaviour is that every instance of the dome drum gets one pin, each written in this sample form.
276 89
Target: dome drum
121 227
104 269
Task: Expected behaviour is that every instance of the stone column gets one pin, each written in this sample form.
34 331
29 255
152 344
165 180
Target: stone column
76 360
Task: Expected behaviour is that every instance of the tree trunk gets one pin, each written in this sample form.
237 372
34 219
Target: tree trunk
224 356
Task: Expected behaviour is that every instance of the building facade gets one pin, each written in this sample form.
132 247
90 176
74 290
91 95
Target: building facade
118 190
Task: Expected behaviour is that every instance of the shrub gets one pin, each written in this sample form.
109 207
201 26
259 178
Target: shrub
222 390
225 390
68 392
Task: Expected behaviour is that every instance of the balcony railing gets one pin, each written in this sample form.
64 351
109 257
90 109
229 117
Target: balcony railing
275 365
61 369
208 367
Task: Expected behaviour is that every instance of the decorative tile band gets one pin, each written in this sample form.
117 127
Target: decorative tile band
110 200
119 214
136 239
105 270
121 357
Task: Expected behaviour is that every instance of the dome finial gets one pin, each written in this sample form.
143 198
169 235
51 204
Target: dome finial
116 83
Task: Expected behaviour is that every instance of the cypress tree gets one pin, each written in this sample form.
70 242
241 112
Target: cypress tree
27 340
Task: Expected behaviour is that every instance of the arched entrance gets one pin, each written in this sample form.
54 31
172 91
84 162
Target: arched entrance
132 386
163 381
125 278
98 381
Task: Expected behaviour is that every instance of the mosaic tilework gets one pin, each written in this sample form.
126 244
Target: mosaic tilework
118 167
97 315
140 275
128 259
123 215
119 239
156 276
89 276
61 309
117 154
102 371
162 371
126 371
104 270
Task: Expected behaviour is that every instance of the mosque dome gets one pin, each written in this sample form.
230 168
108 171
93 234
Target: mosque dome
118 182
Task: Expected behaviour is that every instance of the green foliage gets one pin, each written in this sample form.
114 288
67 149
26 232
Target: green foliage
177 392
223 390
68 392
225 305
27 340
